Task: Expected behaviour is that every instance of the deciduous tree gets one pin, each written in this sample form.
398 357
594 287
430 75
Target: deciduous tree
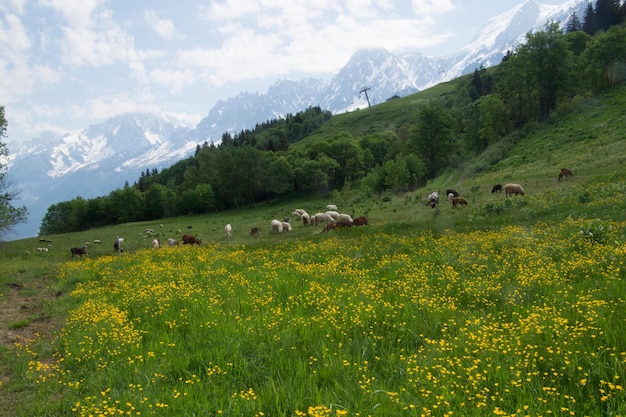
9 215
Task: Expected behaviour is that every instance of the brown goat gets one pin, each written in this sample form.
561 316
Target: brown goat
190 240
458 200
564 174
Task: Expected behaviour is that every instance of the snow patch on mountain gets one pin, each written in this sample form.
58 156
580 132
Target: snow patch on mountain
93 162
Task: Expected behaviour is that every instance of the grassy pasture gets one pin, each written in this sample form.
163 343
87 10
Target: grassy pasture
506 307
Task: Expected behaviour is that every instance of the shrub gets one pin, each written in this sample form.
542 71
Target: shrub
596 230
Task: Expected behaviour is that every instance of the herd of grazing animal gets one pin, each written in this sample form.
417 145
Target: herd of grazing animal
329 219
510 190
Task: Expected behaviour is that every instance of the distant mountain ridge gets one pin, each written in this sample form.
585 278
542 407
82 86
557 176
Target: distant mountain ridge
102 157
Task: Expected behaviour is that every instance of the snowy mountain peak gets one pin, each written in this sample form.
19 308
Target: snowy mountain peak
58 167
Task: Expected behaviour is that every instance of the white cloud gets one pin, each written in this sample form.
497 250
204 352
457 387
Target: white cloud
273 38
89 59
16 6
75 13
163 27
432 6
91 36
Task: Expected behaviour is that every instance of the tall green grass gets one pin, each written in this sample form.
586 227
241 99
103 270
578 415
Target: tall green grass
508 306
523 320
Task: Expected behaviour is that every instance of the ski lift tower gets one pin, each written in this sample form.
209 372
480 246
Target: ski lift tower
364 90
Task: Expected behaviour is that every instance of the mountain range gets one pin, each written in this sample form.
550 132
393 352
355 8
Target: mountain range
101 158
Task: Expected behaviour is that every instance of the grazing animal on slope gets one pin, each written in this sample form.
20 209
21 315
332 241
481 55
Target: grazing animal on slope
433 199
458 201
564 174
454 193
276 226
511 189
496 188
360 221
191 239
117 245
228 230
155 244
254 231
79 251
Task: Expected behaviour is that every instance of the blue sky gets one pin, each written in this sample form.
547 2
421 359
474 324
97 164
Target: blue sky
66 64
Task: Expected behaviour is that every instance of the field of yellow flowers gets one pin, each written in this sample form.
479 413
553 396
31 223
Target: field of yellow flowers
522 320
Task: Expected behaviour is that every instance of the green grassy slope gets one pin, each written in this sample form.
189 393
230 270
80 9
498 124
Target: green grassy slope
588 138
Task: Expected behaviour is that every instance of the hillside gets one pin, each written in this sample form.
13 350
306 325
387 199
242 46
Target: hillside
587 137
497 290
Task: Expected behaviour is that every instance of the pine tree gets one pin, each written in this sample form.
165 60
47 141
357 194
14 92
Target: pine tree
573 24
590 22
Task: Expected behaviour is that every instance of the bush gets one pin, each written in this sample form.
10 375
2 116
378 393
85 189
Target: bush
596 231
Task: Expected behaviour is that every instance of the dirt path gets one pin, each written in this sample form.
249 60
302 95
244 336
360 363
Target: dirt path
24 315
22 310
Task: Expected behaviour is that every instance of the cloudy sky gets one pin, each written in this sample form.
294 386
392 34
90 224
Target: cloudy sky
66 64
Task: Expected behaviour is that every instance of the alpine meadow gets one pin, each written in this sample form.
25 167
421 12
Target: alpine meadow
509 305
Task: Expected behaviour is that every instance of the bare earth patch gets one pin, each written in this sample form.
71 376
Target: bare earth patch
23 317
22 313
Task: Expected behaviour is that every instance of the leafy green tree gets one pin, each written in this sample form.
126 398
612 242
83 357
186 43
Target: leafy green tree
396 175
378 145
205 198
494 119
329 167
547 58
126 205
9 215
281 176
345 150
77 220
310 175
533 79
417 171
154 203
604 59
56 219
432 137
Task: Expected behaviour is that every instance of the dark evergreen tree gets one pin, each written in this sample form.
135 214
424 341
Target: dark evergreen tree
607 13
590 22
432 137
573 24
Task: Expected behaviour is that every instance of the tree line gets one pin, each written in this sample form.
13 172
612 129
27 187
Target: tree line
550 70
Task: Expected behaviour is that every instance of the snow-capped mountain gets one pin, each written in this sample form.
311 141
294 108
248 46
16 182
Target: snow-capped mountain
54 168
504 32
93 162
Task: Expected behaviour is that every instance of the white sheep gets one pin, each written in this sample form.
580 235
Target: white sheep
155 244
333 213
286 226
277 226
306 219
344 220
172 242
433 199
511 189
228 229
298 212
318 217
331 207
118 244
